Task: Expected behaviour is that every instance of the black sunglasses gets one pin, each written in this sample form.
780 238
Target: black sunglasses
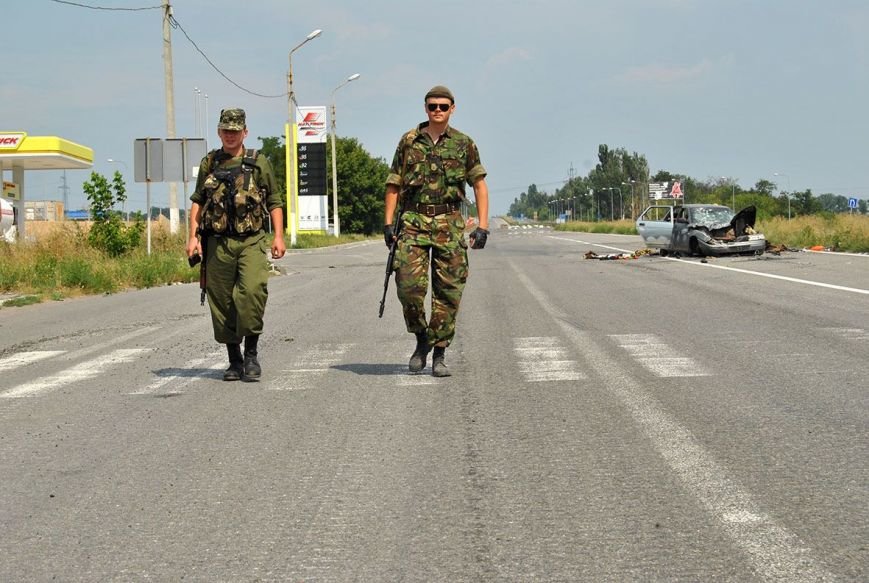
436 106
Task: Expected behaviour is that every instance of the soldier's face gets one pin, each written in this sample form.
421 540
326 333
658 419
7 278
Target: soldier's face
439 109
232 139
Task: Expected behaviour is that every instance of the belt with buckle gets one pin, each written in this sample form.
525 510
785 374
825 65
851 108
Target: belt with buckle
431 210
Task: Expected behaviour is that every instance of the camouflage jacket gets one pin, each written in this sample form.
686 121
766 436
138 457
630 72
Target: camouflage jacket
247 208
435 173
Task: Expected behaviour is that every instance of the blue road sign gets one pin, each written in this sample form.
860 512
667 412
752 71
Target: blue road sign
852 203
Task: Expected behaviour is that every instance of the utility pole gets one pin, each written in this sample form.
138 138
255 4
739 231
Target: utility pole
169 84
65 189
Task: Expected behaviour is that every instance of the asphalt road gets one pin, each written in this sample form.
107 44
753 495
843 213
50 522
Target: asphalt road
652 419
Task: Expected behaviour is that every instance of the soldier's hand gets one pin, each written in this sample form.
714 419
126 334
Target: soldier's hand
194 247
388 235
478 238
278 247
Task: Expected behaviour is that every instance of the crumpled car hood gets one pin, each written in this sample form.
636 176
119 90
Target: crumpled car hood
743 219
742 223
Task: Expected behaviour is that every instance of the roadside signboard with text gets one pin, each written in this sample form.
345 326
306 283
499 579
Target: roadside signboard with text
313 212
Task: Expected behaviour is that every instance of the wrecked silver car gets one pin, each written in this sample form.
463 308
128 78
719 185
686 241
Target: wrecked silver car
700 229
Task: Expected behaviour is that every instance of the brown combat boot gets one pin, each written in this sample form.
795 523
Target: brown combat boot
438 367
417 359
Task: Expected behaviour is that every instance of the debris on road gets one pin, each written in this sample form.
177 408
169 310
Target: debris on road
619 256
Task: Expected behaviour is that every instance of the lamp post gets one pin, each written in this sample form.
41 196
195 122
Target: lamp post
292 181
633 202
336 225
789 190
127 168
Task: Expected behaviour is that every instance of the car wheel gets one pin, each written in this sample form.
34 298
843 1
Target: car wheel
663 252
695 247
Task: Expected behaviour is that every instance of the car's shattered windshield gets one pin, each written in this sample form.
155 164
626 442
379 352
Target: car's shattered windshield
711 215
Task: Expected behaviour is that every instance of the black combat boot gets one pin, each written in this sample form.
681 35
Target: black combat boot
417 359
438 368
252 370
236 363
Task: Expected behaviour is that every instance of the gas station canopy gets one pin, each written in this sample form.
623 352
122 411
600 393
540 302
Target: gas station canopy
18 150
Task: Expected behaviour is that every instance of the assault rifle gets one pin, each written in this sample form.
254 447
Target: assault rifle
396 228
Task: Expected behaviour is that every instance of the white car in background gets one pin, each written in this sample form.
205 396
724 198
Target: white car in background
700 229
8 230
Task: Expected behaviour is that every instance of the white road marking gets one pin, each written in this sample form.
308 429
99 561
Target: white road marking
850 333
657 356
25 358
543 359
775 552
181 380
855 290
79 372
313 364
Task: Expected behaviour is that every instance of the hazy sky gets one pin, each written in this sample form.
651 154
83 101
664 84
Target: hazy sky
707 88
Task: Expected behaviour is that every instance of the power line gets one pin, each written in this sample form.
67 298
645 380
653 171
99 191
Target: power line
176 24
91 7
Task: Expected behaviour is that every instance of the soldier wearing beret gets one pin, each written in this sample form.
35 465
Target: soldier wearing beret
235 194
432 165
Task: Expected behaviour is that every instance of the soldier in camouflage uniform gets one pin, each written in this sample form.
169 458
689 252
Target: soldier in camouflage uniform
235 191
432 164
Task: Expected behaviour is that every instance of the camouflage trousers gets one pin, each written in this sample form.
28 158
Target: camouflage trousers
437 243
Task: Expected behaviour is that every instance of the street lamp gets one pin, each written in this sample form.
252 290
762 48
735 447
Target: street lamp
633 203
335 223
291 139
789 191
732 192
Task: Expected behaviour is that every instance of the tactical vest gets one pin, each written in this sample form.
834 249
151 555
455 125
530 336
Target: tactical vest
234 202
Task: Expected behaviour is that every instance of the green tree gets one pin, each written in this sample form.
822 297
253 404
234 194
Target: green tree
764 186
834 203
361 186
803 203
274 149
109 233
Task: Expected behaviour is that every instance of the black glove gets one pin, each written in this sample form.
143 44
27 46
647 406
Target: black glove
478 238
388 235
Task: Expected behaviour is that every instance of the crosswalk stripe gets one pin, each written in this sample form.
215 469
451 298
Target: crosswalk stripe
850 333
544 359
25 358
182 380
657 356
79 372
312 364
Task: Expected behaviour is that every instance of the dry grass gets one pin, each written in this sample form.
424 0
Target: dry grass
835 232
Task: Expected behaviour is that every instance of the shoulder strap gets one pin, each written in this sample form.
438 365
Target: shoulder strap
248 163
209 161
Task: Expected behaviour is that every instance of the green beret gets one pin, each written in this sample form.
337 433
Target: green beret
440 91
